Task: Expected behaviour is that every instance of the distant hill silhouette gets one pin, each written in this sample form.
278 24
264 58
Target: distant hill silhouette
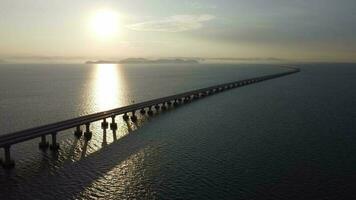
145 61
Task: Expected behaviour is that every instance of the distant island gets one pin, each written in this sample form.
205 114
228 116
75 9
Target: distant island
145 61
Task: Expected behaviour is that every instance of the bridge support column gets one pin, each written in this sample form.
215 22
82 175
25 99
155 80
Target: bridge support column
54 146
133 116
78 133
8 162
104 124
113 125
87 134
175 103
125 117
142 111
43 145
163 107
150 112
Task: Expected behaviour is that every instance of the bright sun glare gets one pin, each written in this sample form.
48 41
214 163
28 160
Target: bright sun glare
105 24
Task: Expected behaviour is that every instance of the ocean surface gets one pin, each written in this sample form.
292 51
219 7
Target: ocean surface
292 137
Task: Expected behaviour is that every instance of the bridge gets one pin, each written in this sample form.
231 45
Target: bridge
128 113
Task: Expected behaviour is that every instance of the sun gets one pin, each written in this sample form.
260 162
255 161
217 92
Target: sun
105 24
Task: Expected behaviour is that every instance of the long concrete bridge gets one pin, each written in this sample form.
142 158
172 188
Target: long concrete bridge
127 112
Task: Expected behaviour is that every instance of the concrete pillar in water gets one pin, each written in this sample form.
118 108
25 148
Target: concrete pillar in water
43 145
163 107
143 111
87 134
133 116
54 145
175 103
125 117
150 112
104 124
78 132
113 125
8 162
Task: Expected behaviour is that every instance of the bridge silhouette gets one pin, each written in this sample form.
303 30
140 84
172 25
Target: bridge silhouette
128 113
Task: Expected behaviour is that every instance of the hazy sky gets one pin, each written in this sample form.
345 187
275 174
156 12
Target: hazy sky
322 30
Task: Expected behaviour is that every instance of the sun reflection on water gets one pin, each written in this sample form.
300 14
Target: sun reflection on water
108 87
108 90
124 180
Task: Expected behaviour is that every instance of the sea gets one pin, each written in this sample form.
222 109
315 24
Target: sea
293 137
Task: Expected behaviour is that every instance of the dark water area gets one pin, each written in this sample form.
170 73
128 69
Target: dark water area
286 138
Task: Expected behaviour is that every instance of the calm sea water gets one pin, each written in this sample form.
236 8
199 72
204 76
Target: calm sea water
287 138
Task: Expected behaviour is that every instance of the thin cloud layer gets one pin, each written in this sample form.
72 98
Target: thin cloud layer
176 23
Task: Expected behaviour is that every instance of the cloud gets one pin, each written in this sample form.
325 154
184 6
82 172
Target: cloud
176 23
200 5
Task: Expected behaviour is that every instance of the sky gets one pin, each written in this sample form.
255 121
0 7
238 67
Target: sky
298 30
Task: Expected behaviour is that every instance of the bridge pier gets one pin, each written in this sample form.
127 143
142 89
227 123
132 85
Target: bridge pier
104 124
186 99
133 116
163 107
150 112
87 134
43 145
125 117
175 103
113 125
54 145
78 133
105 142
8 162
143 111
